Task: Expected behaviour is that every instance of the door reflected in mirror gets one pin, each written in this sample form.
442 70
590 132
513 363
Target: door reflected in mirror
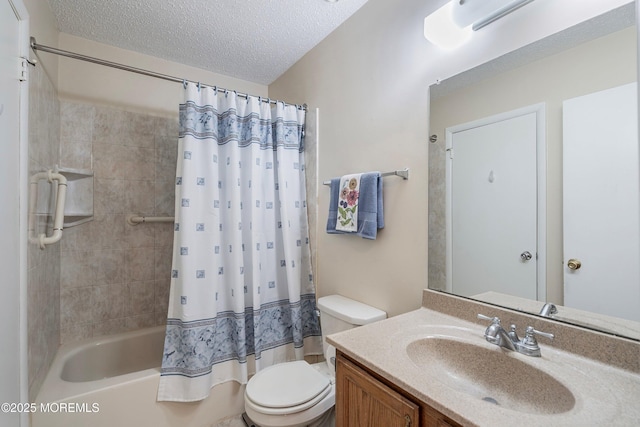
596 56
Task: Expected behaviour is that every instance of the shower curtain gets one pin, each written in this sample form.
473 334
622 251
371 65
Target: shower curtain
242 293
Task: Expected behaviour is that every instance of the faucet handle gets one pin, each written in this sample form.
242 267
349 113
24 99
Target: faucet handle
529 344
530 332
493 320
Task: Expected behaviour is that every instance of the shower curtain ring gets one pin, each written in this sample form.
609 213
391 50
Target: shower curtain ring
199 87
184 83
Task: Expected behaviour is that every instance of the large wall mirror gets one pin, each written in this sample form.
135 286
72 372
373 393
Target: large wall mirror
559 90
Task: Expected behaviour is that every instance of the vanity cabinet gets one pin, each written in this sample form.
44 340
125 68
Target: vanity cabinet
363 399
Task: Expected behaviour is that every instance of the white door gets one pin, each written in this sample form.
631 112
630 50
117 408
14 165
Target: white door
9 214
601 202
492 205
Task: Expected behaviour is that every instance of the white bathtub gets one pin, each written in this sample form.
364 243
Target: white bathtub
113 381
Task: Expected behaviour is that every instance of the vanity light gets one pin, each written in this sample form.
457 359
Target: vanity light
451 25
499 13
440 29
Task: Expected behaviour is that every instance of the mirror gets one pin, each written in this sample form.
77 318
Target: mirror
591 57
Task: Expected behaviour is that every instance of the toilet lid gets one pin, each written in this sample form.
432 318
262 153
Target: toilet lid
286 384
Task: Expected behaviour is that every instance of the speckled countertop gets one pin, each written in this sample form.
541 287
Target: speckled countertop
604 395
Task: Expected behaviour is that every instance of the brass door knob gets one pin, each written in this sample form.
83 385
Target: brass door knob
574 264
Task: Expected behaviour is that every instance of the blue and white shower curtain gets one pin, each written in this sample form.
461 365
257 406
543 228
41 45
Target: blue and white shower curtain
242 292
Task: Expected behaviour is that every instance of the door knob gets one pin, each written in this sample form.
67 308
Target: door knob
526 256
574 264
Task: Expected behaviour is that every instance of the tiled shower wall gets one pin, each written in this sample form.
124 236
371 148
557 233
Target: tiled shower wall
43 266
114 276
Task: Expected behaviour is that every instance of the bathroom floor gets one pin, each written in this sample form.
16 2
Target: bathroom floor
235 421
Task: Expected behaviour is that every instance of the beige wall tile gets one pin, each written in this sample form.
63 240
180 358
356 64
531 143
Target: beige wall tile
110 266
164 235
139 236
140 298
109 196
141 321
75 275
108 231
75 332
109 327
161 296
76 153
162 262
118 273
140 264
140 197
75 306
108 302
43 266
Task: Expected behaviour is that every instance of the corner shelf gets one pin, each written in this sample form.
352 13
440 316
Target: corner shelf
79 204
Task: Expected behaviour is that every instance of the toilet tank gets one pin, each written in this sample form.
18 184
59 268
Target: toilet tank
338 313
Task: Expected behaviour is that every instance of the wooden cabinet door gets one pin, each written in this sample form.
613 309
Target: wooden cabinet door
363 401
432 418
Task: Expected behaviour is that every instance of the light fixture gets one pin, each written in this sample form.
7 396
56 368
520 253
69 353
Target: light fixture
440 29
451 25
498 13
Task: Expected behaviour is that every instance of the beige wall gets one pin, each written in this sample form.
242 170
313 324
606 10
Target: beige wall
96 84
43 26
373 111
370 79
597 65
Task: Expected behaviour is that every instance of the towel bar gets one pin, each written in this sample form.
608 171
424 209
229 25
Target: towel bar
404 174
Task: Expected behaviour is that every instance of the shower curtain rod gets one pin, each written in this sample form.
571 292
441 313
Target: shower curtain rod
56 51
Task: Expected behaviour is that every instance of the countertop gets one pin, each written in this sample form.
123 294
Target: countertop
604 395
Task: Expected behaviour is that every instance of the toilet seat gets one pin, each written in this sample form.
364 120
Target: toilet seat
287 388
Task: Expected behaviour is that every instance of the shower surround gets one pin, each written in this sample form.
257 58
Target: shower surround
115 277
43 267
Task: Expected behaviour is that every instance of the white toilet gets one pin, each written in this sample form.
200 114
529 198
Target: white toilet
297 394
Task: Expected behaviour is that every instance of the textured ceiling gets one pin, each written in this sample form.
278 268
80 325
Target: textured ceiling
255 40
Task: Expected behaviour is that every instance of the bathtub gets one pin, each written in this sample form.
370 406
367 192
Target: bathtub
113 381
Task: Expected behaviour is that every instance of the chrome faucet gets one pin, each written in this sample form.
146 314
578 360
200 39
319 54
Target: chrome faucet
548 310
496 334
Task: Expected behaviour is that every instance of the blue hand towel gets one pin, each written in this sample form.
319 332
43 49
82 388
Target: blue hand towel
370 207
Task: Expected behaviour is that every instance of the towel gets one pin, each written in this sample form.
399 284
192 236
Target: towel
347 219
370 207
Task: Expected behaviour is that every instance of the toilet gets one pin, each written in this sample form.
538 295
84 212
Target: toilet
299 394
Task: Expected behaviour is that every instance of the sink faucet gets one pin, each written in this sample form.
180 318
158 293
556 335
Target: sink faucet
496 334
548 310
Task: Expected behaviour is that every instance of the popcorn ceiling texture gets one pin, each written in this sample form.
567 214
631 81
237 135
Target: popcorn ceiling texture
252 40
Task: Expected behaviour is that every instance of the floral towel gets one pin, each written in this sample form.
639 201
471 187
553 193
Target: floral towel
348 203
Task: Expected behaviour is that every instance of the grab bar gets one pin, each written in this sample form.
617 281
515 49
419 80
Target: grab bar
135 220
58 216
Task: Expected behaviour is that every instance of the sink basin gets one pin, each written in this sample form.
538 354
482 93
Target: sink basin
493 375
